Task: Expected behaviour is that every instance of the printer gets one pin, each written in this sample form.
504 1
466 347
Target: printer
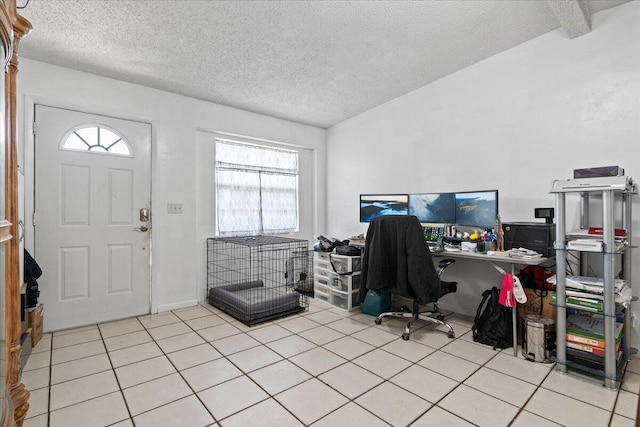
536 236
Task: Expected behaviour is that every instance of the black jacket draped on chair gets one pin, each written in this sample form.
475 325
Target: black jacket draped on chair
397 258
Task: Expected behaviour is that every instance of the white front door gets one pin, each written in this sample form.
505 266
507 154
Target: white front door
92 190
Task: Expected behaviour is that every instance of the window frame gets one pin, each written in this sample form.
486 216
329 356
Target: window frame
265 145
72 131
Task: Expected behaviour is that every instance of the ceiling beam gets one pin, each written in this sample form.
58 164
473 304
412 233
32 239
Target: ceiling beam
572 16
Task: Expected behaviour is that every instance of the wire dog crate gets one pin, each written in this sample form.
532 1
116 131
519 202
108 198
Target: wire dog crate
259 278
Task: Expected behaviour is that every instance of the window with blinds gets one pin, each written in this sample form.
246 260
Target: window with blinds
256 189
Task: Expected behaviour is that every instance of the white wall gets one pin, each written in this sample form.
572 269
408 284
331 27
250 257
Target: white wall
514 122
177 166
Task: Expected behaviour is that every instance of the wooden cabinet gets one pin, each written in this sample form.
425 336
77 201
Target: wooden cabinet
14 397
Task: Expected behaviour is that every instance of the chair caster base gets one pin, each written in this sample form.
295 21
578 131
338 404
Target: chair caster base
378 321
451 334
405 336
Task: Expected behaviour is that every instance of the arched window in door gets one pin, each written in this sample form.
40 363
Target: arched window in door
98 139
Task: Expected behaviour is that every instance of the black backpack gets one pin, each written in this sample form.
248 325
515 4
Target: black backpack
492 326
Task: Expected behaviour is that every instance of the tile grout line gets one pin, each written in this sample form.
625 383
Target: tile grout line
85 376
317 376
210 343
246 374
50 378
292 333
176 369
265 344
223 382
126 404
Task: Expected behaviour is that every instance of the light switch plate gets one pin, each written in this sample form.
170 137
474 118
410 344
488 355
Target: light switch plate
174 208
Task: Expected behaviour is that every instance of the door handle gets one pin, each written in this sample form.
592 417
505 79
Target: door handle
143 228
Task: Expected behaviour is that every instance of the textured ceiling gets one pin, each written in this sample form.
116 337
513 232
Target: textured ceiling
313 62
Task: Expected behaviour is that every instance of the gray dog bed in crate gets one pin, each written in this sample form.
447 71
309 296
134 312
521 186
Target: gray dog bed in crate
252 302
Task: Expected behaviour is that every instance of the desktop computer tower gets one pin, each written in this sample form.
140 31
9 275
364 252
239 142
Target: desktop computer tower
538 237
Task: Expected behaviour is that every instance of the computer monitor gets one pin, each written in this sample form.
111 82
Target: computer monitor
373 205
433 207
477 208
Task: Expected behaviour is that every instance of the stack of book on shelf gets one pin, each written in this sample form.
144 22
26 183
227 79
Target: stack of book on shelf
591 239
585 339
587 293
577 300
522 253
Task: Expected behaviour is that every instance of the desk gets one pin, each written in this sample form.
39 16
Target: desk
493 259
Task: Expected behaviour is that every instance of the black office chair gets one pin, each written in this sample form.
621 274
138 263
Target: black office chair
397 258
433 316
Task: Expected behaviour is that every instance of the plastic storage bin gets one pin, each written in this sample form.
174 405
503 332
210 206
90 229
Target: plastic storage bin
318 273
344 300
345 264
322 260
347 283
376 302
318 288
321 292
341 283
340 290
322 297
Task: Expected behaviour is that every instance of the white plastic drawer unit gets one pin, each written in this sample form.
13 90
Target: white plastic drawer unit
322 260
340 263
344 300
339 290
319 288
319 273
321 256
322 297
341 283
345 264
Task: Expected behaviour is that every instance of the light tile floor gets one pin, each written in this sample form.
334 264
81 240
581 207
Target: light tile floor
198 367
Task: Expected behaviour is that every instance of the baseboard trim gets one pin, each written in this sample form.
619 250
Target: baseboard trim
177 305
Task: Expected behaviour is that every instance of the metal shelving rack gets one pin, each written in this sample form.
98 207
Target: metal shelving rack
607 188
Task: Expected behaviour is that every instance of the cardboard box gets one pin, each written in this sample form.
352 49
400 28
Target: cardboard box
36 324
538 302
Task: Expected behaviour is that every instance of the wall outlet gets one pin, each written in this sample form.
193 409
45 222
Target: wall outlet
174 208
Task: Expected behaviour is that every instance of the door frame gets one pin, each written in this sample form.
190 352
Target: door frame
26 166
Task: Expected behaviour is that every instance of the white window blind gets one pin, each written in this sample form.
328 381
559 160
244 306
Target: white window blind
256 189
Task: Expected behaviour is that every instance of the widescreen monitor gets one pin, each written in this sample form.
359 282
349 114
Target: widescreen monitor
477 208
373 205
433 207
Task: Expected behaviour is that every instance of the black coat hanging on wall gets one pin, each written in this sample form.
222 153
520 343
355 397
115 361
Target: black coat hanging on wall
32 272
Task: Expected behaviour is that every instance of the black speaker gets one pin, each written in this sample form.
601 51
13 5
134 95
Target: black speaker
530 235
